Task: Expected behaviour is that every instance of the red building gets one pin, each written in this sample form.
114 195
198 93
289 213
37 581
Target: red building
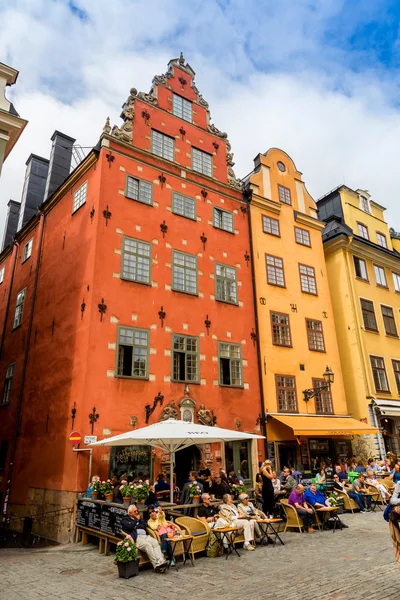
133 281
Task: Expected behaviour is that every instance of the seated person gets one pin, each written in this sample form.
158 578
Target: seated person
219 487
360 467
321 479
340 486
288 482
276 483
343 476
359 487
230 516
297 475
206 512
136 527
316 498
373 466
157 522
395 474
161 485
373 480
395 499
151 497
204 473
296 499
247 508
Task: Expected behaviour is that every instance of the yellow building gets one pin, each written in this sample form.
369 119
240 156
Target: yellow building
11 124
296 329
363 263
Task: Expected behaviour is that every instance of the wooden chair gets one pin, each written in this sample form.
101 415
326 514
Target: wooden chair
198 529
292 518
316 516
238 539
179 547
376 494
348 503
388 483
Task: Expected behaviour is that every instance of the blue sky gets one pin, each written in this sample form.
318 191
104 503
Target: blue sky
318 78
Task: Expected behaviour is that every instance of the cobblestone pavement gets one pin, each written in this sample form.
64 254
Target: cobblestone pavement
352 564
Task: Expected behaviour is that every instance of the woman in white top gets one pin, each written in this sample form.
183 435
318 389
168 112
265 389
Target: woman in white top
373 480
276 482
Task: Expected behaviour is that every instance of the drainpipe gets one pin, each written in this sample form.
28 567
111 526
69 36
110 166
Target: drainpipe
247 194
18 419
3 333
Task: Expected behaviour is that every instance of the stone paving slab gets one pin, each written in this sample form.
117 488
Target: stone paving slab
354 564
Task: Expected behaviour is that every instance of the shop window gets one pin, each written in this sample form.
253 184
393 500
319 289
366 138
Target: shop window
134 462
238 459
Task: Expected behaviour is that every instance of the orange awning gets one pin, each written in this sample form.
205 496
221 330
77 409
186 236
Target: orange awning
327 426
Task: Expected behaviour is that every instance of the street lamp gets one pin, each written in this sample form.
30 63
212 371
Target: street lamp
329 378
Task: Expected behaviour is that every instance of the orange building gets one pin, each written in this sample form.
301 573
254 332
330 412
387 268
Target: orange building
127 299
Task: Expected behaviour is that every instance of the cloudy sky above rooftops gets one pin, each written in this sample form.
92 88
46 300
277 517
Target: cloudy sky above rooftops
318 78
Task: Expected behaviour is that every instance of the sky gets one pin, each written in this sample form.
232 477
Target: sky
318 78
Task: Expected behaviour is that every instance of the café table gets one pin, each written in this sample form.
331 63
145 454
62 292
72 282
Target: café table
186 541
229 535
270 530
332 512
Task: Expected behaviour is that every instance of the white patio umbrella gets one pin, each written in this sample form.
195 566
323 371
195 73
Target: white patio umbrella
173 435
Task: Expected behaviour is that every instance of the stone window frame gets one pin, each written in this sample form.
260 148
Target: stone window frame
186 200
285 388
137 254
19 308
218 219
179 111
185 267
165 149
219 277
233 361
313 335
282 329
8 383
134 345
80 196
186 353
144 190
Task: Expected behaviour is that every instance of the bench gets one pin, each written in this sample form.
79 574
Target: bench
105 539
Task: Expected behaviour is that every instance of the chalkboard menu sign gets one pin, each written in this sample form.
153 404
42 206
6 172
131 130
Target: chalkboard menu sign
111 518
89 514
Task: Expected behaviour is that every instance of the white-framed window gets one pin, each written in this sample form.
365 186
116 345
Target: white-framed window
184 206
19 308
139 190
381 239
8 384
181 107
222 219
27 250
363 231
364 204
2 270
360 267
396 281
202 162
79 197
184 272
162 145
136 260
380 276
225 284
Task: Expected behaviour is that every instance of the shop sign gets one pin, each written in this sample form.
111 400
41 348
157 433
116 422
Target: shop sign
90 439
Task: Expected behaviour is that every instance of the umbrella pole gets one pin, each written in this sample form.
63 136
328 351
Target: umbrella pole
171 474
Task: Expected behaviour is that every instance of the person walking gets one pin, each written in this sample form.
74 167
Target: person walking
394 528
267 488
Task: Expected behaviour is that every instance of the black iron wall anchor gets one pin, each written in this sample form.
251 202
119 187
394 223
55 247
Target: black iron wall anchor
53 324
243 209
216 146
73 415
93 417
161 315
253 336
110 159
91 214
146 116
159 399
106 214
204 193
83 306
207 323
182 132
162 179
247 258
203 240
64 236
163 228
102 309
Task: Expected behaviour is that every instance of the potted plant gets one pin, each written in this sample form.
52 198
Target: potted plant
237 489
106 490
336 500
195 492
127 559
126 491
141 491
95 487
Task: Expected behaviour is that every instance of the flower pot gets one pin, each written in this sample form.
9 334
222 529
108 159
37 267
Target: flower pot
109 497
140 502
195 499
95 495
128 569
127 501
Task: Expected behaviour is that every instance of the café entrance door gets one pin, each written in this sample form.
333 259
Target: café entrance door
287 454
186 460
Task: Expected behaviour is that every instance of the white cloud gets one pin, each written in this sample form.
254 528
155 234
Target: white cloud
338 125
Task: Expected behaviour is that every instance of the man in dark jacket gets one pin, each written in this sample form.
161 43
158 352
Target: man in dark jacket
134 525
219 487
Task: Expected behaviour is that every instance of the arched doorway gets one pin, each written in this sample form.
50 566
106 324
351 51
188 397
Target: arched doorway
186 460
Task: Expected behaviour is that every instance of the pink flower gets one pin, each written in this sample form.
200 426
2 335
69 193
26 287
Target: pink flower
103 482
131 487
147 482
119 544
129 549
126 545
128 537
140 480
139 486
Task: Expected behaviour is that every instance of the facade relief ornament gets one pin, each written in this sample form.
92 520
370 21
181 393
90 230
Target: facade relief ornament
216 131
206 417
147 97
169 412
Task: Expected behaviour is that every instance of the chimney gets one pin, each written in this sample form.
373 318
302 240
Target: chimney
60 161
34 187
11 226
